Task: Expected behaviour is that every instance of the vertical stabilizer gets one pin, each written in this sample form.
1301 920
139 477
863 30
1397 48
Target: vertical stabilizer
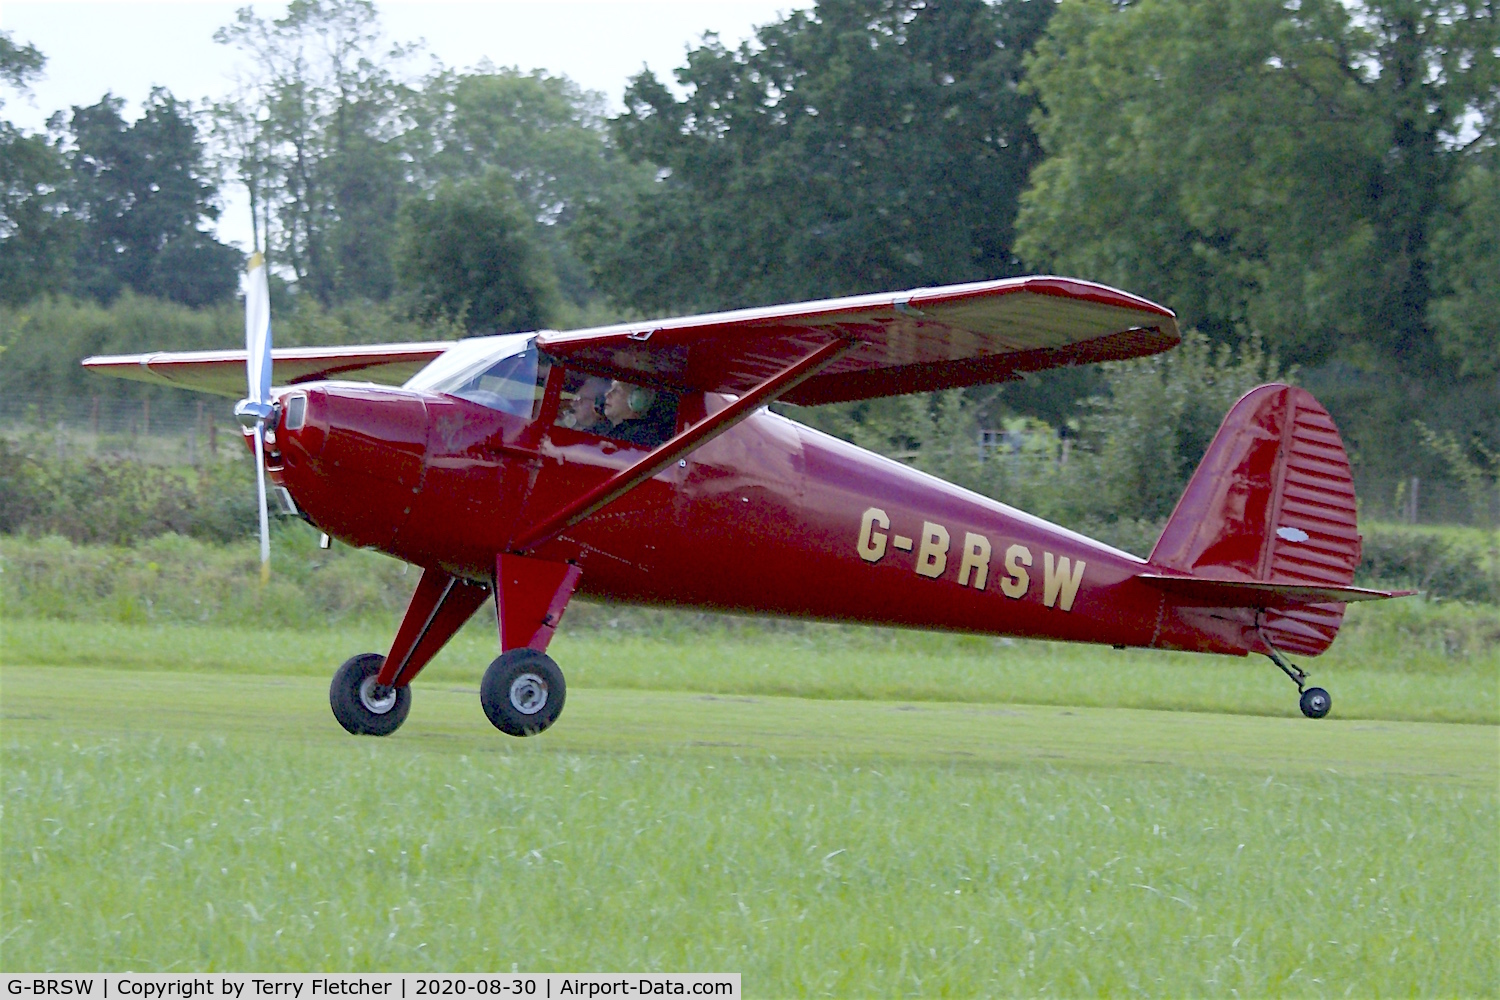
1271 502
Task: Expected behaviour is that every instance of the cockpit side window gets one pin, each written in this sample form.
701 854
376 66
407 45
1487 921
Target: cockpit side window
617 410
502 373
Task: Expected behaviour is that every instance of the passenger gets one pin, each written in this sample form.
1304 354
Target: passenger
628 409
586 411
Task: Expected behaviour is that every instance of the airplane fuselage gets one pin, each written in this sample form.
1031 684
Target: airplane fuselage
771 517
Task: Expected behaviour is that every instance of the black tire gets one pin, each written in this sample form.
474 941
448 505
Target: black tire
354 702
522 692
1316 703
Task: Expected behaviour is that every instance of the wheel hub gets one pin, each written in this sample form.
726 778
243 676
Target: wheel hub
528 694
377 698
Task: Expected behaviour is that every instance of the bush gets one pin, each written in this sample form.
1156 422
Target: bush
118 501
1429 561
44 341
171 578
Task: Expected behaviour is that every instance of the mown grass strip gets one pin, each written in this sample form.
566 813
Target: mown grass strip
61 702
177 820
1367 682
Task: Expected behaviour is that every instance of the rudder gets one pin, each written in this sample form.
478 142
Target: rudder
1271 502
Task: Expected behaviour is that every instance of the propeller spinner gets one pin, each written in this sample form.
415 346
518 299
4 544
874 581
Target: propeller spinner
254 412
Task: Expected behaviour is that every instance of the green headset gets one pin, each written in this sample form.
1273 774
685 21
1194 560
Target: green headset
640 399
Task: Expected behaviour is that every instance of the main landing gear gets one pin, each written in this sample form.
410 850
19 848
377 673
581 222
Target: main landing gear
1315 702
523 690
364 706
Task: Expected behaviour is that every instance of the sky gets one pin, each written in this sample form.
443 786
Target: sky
127 47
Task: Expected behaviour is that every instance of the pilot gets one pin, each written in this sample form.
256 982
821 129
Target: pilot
627 408
586 411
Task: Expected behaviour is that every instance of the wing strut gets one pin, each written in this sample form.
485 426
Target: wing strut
700 433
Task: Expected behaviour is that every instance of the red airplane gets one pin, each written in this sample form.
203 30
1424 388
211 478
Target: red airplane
638 463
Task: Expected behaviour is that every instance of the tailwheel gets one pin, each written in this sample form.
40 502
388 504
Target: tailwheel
1316 703
522 692
363 706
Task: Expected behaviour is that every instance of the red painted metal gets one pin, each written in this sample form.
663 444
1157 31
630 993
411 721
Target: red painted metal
922 339
1272 502
530 598
773 517
698 434
439 607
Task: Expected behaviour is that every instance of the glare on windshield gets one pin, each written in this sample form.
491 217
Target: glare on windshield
498 372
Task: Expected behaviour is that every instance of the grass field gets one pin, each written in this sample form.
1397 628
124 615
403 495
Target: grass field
1406 660
866 837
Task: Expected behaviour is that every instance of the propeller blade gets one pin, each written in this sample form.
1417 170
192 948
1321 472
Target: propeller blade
260 493
255 410
258 330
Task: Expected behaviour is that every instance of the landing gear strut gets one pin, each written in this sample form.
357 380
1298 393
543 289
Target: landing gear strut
1315 702
523 690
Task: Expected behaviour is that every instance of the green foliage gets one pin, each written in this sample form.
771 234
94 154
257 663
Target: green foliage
19 64
44 340
119 501
36 252
467 255
316 139
359 321
1256 163
1143 441
1465 309
1480 476
853 147
177 579
140 192
548 135
1428 561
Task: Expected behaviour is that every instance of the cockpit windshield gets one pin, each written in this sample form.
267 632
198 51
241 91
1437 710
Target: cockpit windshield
499 372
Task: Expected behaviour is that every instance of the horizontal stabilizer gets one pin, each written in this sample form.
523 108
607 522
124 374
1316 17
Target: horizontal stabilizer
1251 594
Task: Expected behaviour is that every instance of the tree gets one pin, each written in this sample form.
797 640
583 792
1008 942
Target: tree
35 233
316 138
857 146
467 254
548 135
19 64
1307 171
1465 250
1259 164
140 192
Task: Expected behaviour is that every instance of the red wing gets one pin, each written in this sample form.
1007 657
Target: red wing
930 338
223 372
